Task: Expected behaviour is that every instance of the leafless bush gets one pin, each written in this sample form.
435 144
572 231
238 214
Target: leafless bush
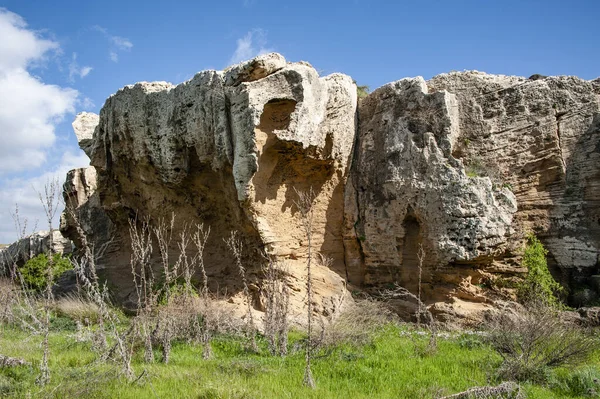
209 324
169 307
535 339
304 203
9 297
277 300
356 322
108 318
50 200
236 246
421 257
423 313
163 233
143 279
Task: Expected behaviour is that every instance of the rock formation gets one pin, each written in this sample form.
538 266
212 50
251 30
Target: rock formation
409 193
540 138
19 252
228 149
435 182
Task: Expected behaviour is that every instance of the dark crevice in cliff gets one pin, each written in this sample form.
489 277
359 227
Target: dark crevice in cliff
558 116
351 179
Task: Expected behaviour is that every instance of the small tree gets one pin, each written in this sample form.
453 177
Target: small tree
539 285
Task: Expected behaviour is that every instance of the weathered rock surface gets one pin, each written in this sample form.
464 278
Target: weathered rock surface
6 362
541 138
29 247
230 150
409 193
461 166
84 125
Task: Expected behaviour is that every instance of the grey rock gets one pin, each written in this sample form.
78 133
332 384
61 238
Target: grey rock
227 149
408 192
541 138
19 252
84 125
463 166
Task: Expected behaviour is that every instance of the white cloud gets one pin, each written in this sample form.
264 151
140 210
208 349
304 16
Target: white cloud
252 44
29 108
23 192
87 103
83 72
118 43
121 43
20 46
76 71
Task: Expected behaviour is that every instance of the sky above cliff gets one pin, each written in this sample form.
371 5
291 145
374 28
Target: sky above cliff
61 57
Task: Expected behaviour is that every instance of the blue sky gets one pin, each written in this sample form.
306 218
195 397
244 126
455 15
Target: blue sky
61 57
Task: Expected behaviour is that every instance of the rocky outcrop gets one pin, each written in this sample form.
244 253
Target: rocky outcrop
83 126
412 212
432 182
228 149
29 247
541 138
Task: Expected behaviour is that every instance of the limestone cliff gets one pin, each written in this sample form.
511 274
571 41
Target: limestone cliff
541 138
229 149
461 166
409 192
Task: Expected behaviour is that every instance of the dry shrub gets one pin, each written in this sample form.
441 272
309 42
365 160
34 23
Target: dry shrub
277 303
188 316
83 383
535 339
9 297
356 323
78 309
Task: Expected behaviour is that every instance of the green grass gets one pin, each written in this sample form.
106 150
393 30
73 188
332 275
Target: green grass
393 365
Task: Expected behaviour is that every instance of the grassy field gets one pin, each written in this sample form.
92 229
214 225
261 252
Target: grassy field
395 364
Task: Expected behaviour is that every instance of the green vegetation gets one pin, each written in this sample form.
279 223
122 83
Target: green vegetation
390 365
361 91
539 285
34 271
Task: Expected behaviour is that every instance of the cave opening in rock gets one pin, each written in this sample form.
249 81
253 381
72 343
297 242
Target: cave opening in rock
410 251
276 115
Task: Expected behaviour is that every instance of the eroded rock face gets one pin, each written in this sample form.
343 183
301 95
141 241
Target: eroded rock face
541 138
461 166
408 192
230 150
83 126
